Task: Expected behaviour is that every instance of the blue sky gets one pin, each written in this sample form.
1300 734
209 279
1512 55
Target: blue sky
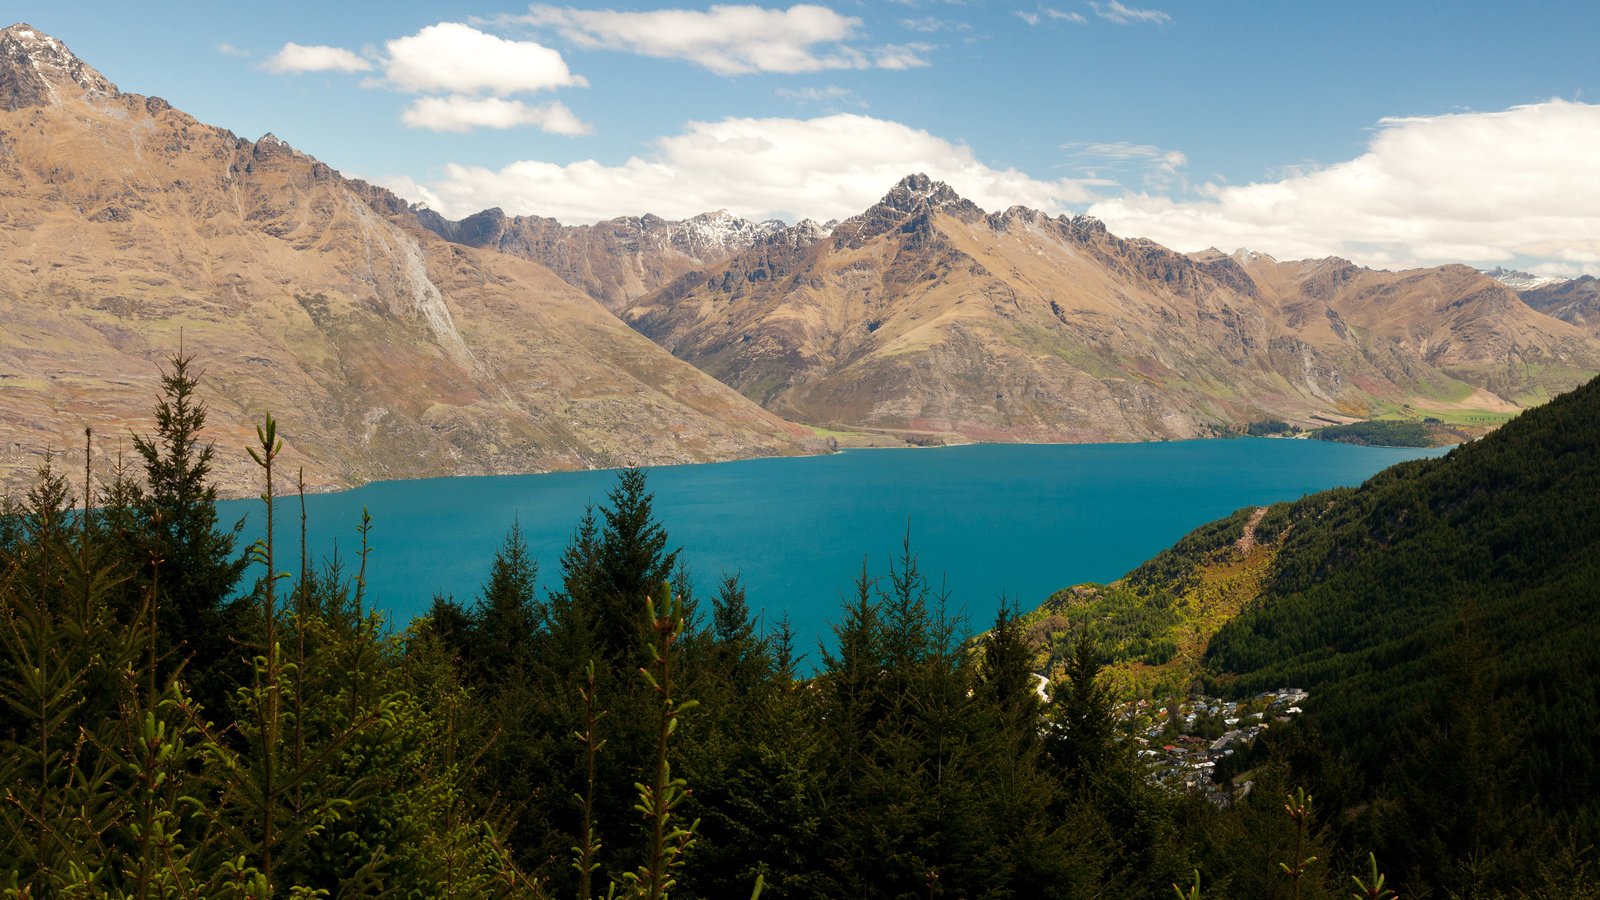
1392 133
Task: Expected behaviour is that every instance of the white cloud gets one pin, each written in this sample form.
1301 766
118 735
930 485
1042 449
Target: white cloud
459 59
828 167
1074 17
1049 14
1480 188
409 188
728 40
458 113
1113 11
227 49
832 96
317 58
933 24
1123 151
1158 168
900 56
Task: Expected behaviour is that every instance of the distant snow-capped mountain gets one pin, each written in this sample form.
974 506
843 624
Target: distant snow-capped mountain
1519 280
621 259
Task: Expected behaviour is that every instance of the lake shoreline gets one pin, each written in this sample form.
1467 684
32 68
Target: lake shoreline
1021 520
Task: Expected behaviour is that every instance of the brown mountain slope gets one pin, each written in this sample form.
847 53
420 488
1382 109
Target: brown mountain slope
1453 318
619 260
384 351
1576 301
926 314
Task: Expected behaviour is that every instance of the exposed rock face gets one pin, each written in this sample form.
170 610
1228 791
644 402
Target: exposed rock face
1576 301
384 351
924 314
1521 281
620 260
35 69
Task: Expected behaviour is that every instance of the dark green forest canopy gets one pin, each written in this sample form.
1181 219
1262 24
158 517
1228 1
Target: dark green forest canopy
1382 433
1476 572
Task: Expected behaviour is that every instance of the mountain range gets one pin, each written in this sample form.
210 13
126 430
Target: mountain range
393 342
620 260
131 230
927 315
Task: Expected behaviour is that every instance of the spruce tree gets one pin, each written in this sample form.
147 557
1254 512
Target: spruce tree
508 613
1082 714
1005 676
191 563
633 563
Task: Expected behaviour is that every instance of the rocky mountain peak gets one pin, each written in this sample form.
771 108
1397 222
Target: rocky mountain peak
1245 256
1087 226
1518 280
37 70
721 230
917 192
909 205
810 230
270 144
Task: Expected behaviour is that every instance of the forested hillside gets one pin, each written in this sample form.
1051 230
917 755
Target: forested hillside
1152 626
1446 616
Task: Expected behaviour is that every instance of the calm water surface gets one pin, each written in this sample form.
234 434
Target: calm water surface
990 519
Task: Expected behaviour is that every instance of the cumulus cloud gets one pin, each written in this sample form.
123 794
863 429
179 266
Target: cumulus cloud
459 59
1113 11
1481 188
469 74
458 113
822 168
293 58
729 40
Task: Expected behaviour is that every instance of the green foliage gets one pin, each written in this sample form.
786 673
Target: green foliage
508 614
1082 717
485 751
1379 433
1372 888
1266 427
187 565
663 794
330 778
1444 617
631 562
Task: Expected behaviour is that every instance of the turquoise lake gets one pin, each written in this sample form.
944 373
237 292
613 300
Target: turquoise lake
988 519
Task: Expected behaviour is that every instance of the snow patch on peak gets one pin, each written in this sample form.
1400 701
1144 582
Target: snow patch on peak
918 190
35 67
1245 256
716 234
814 230
1088 224
1519 280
